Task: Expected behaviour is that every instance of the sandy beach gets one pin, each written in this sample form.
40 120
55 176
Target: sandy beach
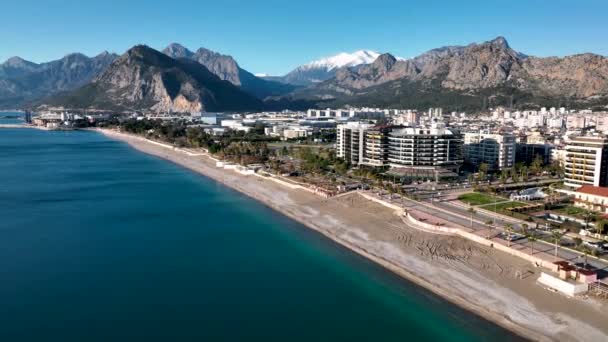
480 279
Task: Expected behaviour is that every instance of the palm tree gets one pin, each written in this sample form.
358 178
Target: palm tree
401 194
509 229
588 214
391 190
532 238
472 212
537 165
586 251
483 171
380 186
600 226
524 227
557 236
524 174
577 242
489 224
504 175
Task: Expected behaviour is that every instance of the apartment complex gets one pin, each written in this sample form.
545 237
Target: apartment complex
427 148
350 141
376 146
586 161
430 148
497 150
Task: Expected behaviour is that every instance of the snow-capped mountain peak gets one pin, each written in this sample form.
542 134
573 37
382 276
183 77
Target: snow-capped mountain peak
343 59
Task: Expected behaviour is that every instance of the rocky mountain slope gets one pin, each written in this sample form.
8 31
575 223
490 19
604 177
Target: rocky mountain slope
477 75
23 82
146 79
226 68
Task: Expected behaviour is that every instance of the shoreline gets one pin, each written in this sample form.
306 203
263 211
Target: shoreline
205 169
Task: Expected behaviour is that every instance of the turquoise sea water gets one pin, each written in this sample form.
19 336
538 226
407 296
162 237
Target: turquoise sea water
99 242
8 118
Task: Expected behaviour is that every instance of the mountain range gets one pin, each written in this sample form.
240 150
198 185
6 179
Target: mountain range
472 77
23 82
325 68
146 79
469 77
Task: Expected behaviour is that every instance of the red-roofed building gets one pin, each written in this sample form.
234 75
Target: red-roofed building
591 197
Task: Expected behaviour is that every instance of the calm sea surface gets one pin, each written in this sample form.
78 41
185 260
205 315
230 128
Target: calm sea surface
11 118
99 242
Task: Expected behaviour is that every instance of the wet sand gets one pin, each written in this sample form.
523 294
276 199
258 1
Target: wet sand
480 279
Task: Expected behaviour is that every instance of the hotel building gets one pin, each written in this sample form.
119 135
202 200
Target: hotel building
425 148
497 150
586 161
350 141
376 146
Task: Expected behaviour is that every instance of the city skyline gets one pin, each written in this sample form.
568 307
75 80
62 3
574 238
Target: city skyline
266 38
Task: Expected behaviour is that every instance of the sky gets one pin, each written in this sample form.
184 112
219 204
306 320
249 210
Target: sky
275 36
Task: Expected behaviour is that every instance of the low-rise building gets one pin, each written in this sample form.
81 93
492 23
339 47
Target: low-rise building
294 133
592 198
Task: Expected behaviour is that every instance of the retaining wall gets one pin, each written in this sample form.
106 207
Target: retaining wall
481 240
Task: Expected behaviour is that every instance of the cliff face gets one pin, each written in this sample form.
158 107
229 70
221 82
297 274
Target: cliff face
146 79
581 76
226 68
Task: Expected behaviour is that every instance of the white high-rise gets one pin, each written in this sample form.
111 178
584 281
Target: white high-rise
586 161
350 141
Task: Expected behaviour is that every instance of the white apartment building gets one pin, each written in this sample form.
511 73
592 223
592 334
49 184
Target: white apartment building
409 117
576 122
330 113
497 150
236 125
295 132
586 161
376 146
350 141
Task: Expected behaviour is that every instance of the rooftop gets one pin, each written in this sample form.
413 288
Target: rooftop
593 190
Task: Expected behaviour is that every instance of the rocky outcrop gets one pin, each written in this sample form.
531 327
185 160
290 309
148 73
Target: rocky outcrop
146 79
581 76
226 68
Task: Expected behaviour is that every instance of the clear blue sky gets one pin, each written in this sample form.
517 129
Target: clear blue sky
273 36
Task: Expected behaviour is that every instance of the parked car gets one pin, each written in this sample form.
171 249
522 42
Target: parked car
511 237
598 246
